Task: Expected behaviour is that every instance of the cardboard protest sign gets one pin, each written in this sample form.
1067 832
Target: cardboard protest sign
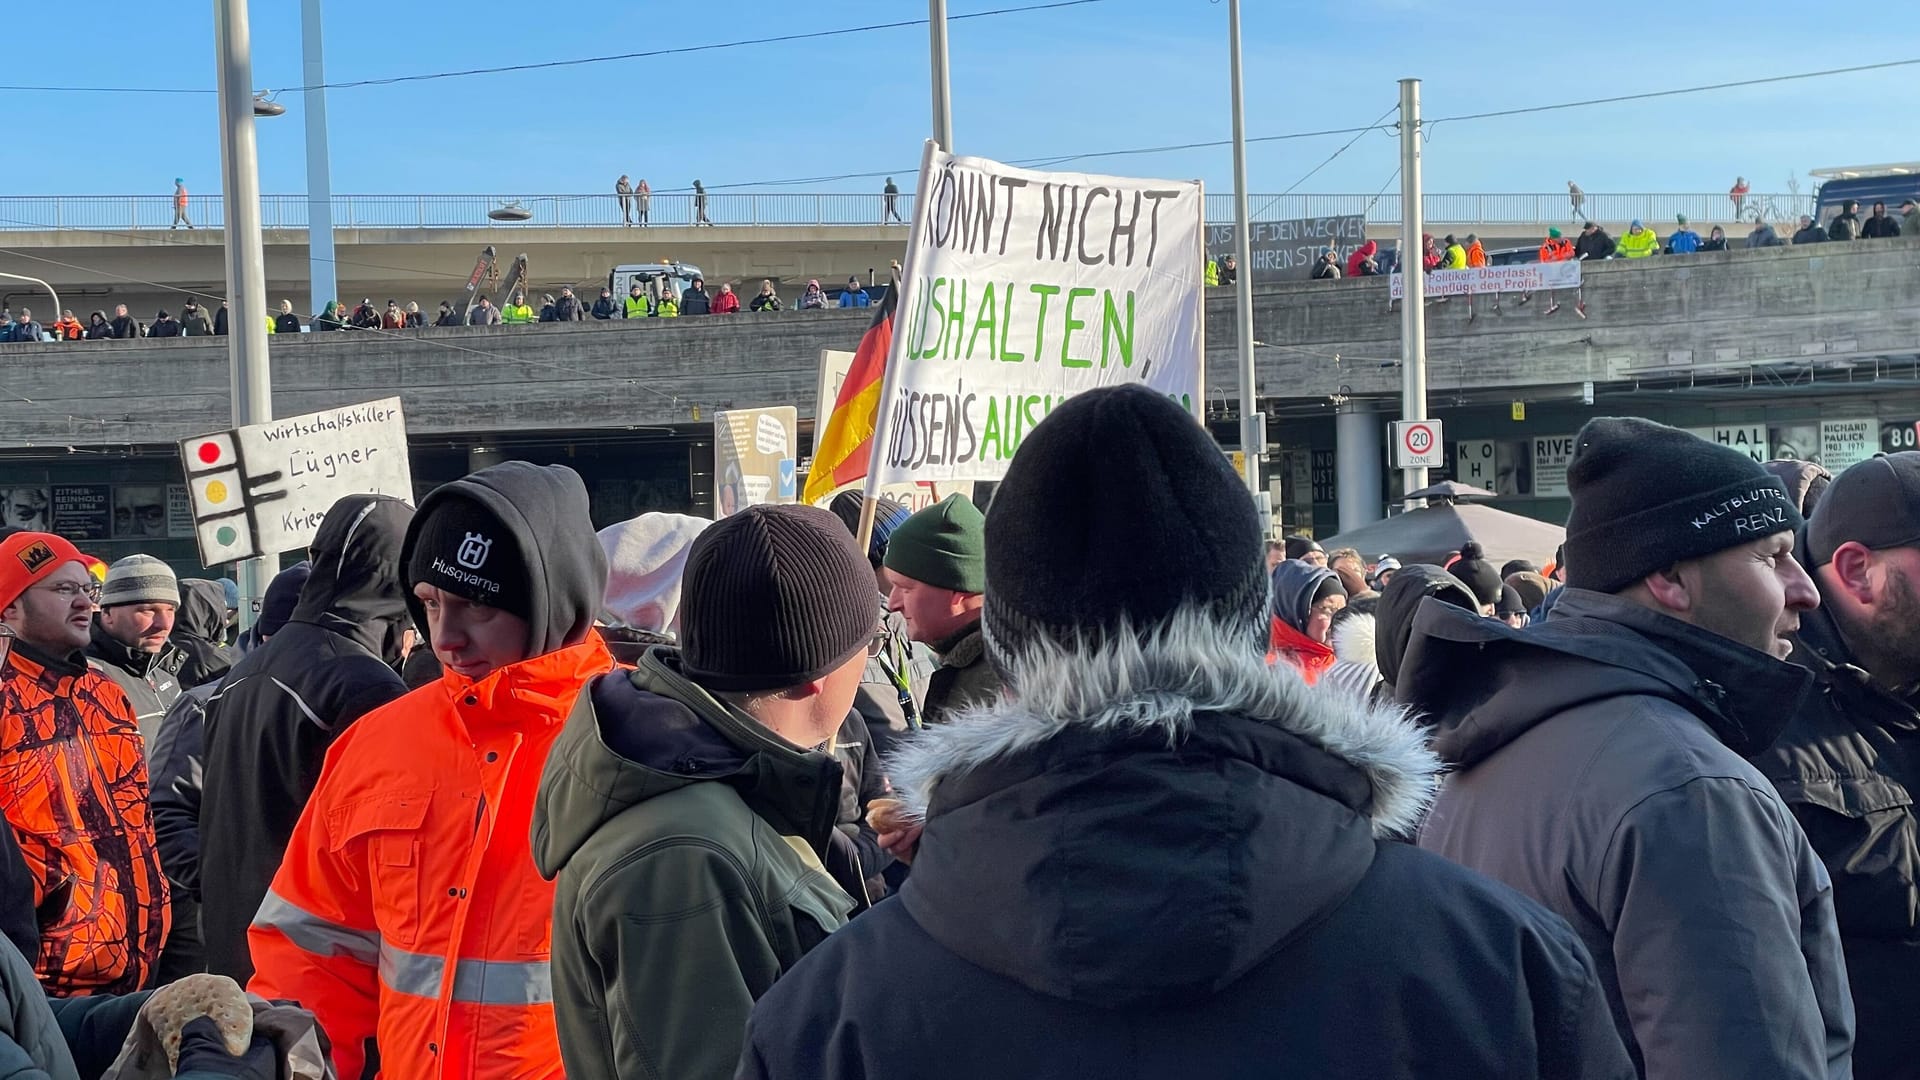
755 458
264 488
1023 288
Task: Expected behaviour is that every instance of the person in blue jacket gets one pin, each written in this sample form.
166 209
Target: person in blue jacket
855 296
1684 240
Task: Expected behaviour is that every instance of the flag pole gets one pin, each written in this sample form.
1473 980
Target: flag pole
890 381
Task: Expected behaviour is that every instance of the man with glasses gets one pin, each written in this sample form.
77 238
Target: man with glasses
73 779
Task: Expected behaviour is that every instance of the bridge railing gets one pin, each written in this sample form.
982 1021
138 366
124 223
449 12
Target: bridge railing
111 213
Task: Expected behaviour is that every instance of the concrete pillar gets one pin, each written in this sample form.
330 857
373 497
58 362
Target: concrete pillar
480 457
1359 437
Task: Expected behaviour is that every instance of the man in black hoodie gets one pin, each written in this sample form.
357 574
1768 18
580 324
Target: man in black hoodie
283 704
1157 855
505 574
178 757
1599 758
200 632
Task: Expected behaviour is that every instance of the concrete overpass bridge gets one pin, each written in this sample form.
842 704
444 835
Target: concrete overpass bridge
98 251
1779 340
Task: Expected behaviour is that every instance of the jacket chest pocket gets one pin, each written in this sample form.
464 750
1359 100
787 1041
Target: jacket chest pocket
390 826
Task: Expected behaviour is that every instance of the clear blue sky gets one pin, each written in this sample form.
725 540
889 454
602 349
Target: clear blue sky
1120 73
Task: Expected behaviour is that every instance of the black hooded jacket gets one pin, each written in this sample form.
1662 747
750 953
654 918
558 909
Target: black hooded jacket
200 633
283 704
1393 625
1598 767
151 680
1848 766
1194 878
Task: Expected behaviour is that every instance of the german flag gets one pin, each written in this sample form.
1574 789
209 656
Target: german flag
846 443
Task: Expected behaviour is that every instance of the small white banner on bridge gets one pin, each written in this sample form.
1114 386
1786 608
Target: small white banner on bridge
1023 288
1521 277
264 488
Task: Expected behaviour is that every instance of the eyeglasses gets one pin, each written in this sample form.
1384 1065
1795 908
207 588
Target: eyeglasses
877 645
68 591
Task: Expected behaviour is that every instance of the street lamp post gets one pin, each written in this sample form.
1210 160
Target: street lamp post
246 256
42 284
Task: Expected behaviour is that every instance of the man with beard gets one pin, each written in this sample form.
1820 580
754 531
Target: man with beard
1850 759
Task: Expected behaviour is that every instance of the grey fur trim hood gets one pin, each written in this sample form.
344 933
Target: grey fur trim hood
1163 683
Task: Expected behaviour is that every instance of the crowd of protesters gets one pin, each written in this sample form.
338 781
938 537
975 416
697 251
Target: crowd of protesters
643 302
1096 782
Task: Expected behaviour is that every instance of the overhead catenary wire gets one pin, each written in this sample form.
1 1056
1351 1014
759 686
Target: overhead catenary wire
541 65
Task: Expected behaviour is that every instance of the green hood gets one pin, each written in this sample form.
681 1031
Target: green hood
637 735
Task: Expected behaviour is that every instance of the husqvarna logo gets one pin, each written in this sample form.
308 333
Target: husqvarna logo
473 551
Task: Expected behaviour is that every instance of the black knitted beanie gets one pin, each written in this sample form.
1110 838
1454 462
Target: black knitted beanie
774 596
1646 496
1119 506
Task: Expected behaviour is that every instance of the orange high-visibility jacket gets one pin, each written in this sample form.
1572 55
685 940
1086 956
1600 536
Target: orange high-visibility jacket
1476 254
1556 249
408 909
73 785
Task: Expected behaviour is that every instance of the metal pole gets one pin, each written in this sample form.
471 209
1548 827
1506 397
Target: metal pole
942 92
246 259
323 284
1252 423
1413 301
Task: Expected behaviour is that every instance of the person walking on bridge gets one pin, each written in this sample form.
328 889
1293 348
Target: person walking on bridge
623 190
889 195
1578 198
180 204
700 204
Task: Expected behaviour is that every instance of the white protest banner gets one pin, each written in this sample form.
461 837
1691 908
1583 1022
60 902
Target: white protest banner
1749 439
1522 277
1551 454
755 458
1022 288
264 488
834 364
1289 250
1846 443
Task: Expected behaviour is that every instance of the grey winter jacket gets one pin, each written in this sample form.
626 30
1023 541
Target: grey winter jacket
1600 769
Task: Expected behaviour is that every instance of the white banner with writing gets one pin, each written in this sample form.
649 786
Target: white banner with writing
1023 288
1521 277
264 488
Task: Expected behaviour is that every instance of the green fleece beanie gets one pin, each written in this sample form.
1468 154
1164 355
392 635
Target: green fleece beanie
944 546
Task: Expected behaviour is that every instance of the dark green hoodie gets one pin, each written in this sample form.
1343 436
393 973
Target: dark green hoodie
685 842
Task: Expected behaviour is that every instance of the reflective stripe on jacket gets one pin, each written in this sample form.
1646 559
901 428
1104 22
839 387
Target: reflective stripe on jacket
516 314
408 910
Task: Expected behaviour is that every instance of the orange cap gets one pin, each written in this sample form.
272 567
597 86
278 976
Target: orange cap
27 557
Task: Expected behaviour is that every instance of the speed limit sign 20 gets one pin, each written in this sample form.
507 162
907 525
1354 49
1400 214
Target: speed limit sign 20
1417 444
